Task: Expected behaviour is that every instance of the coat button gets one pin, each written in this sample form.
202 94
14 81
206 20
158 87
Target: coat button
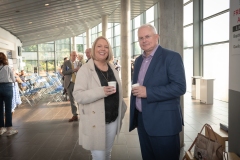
93 126
93 112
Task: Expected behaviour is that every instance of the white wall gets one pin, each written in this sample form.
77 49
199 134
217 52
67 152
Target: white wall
10 42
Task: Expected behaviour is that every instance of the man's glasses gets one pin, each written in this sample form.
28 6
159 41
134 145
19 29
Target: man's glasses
147 37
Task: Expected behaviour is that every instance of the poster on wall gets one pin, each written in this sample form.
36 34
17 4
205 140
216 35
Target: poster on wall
9 54
234 28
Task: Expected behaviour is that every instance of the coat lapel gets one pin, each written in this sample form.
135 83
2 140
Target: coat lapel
155 60
137 67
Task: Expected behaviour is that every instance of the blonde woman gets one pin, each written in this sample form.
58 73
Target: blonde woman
80 58
101 107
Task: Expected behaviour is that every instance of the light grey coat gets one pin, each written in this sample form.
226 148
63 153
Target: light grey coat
89 94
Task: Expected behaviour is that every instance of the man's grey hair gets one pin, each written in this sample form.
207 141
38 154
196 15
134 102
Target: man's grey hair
150 26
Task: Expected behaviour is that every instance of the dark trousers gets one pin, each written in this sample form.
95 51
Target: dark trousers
6 96
157 147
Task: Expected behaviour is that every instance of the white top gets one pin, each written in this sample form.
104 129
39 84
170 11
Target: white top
6 74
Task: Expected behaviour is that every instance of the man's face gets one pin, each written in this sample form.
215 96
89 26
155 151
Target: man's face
148 40
73 56
88 53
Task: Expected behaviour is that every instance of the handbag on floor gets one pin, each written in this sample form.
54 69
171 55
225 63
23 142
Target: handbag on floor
206 148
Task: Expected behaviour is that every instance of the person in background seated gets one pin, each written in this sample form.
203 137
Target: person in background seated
70 68
88 54
6 95
22 75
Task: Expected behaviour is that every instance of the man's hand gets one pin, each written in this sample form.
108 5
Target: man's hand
139 91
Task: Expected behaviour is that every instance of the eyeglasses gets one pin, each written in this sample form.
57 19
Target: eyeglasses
147 37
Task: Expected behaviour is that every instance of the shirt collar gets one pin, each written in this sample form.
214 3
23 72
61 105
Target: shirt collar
152 54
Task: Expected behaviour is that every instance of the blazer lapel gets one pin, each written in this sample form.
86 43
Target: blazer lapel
152 65
94 74
137 67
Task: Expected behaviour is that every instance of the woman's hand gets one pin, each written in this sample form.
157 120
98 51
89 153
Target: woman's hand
109 90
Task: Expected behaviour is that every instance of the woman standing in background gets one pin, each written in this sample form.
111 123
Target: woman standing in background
6 95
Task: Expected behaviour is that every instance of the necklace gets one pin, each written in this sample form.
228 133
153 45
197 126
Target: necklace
104 76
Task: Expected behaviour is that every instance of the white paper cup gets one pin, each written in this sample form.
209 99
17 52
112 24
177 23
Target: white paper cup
135 85
112 83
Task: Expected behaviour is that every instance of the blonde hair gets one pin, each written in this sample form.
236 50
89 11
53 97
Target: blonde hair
110 53
81 55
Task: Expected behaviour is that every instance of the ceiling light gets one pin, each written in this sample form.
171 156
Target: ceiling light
78 6
30 22
46 4
102 6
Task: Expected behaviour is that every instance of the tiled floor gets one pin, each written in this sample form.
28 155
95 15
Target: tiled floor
45 133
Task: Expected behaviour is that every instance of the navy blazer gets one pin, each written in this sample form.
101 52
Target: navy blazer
165 83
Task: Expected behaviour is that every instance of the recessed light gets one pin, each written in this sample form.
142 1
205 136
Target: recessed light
78 6
30 22
46 4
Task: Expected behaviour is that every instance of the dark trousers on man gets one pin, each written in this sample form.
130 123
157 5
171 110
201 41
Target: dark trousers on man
157 147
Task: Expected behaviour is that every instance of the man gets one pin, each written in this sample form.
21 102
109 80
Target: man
64 90
70 68
88 54
155 105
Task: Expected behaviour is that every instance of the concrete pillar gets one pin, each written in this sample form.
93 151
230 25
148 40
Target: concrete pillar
171 32
88 38
104 25
125 47
73 44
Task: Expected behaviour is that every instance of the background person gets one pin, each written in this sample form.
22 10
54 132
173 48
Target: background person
80 58
101 107
6 95
155 105
70 68
88 54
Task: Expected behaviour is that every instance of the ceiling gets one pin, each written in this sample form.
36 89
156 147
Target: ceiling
39 21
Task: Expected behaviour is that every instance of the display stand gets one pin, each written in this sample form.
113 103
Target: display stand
206 90
196 87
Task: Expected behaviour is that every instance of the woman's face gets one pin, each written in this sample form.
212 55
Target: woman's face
101 50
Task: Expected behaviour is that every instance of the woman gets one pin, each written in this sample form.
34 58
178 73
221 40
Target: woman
80 58
6 95
101 107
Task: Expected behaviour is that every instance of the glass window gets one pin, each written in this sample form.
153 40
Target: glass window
137 49
211 7
188 66
29 65
46 55
117 41
30 48
137 21
150 14
94 30
188 14
109 32
109 25
117 30
79 40
216 29
100 27
135 35
188 36
117 54
29 55
185 1
46 47
216 65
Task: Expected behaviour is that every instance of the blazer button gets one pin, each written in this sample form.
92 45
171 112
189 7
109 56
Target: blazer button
93 126
93 112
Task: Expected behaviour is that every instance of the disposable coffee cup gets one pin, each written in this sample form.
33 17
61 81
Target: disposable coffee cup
135 85
112 83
